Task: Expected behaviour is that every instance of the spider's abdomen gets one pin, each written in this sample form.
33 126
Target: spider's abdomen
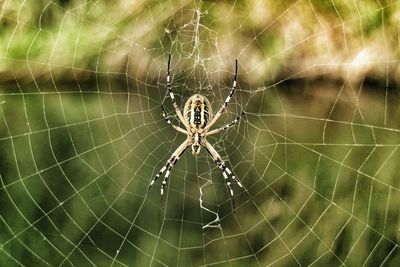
197 111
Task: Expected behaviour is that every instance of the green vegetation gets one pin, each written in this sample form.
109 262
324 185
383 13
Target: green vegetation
71 40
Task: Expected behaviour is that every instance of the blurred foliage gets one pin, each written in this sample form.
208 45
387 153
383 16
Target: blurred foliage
75 40
75 168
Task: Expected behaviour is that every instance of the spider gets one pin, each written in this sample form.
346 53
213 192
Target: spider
197 119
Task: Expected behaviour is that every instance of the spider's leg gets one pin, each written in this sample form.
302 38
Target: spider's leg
161 172
178 153
229 125
172 96
228 98
226 172
170 163
165 116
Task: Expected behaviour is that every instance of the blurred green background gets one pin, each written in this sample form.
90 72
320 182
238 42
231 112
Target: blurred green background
81 133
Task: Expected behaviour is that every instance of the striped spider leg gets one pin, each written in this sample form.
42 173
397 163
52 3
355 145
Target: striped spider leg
168 166
228 98
226 172
197 119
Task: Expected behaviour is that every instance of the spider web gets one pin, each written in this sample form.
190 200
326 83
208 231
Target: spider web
81 133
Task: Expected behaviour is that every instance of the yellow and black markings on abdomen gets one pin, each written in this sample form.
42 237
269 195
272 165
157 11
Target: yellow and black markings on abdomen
197 111
198 114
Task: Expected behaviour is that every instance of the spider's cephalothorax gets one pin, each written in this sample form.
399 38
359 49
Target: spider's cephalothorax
197 119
